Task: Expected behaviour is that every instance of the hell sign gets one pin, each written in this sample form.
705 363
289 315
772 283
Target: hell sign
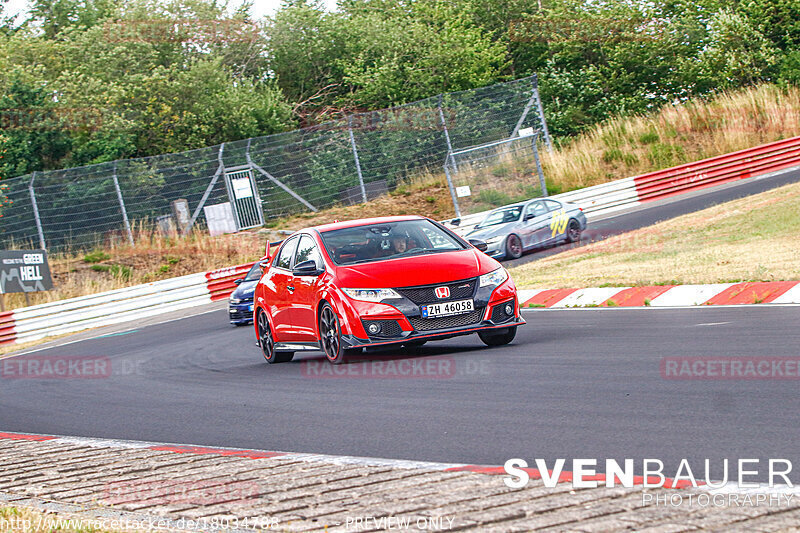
24 271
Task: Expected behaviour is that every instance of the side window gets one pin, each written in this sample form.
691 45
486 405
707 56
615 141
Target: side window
537 209
552 205
284 259
437 240
307 251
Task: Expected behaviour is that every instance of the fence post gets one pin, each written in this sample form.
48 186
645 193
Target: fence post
355 156
540 109
36 212
210 187
527 109
453 194
539 165
447 137
122 206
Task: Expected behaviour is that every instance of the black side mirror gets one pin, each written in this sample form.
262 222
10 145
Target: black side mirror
529 216
456 222
307 268
238 281
479 244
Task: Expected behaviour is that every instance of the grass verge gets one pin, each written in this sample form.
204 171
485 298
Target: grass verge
751 239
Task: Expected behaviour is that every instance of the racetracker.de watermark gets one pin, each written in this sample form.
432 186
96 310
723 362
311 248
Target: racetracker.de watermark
730 368
67 367
50 119
182 30
432 367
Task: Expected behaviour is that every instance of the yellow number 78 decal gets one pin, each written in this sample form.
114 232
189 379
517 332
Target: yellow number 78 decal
558 221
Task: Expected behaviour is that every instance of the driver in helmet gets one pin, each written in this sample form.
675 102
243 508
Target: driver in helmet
399 243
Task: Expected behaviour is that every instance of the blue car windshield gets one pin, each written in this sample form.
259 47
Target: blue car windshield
254 274
501 216
388 240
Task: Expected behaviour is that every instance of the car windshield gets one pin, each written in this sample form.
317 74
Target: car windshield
501 216
254 274
388 240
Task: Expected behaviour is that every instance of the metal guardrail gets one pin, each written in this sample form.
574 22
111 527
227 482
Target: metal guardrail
133 303
117 306
743 164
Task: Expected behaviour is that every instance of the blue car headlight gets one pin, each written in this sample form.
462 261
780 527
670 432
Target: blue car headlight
494 278
495 240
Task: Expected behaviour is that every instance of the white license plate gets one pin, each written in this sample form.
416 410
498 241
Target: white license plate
448 308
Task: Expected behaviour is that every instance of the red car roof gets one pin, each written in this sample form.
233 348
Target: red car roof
364 222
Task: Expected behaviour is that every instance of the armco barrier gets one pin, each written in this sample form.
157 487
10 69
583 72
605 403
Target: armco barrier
117 306
133 303
739 165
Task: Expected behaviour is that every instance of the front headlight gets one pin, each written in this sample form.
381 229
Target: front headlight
371 295
494 278
496 239
235 301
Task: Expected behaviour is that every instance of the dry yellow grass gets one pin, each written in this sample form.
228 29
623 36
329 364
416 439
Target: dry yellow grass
694 130
752 239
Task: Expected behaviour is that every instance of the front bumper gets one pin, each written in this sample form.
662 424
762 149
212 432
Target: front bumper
241 313
401 321
351 341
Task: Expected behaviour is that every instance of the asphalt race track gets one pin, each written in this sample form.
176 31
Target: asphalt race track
574 384
654 212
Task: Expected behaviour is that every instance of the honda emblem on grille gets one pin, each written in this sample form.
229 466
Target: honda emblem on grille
443 292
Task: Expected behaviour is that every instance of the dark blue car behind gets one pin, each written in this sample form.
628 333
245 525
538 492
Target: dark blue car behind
240 304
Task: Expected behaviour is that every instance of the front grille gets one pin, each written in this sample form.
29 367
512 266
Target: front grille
423 295
499 314
389 328
241 315
445 322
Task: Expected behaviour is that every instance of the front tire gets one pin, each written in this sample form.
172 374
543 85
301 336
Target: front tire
490 338
513 247
267 342
330 335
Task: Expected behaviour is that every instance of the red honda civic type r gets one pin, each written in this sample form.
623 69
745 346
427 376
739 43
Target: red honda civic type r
402 280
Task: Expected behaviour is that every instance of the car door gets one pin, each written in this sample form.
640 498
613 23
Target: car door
304 300
535 223
278 296
557 219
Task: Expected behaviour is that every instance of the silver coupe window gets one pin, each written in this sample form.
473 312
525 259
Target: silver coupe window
501 216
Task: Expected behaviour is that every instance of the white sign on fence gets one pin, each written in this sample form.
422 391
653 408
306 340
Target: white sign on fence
242 188
463 191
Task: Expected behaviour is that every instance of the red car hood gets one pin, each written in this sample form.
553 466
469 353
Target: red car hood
416 270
